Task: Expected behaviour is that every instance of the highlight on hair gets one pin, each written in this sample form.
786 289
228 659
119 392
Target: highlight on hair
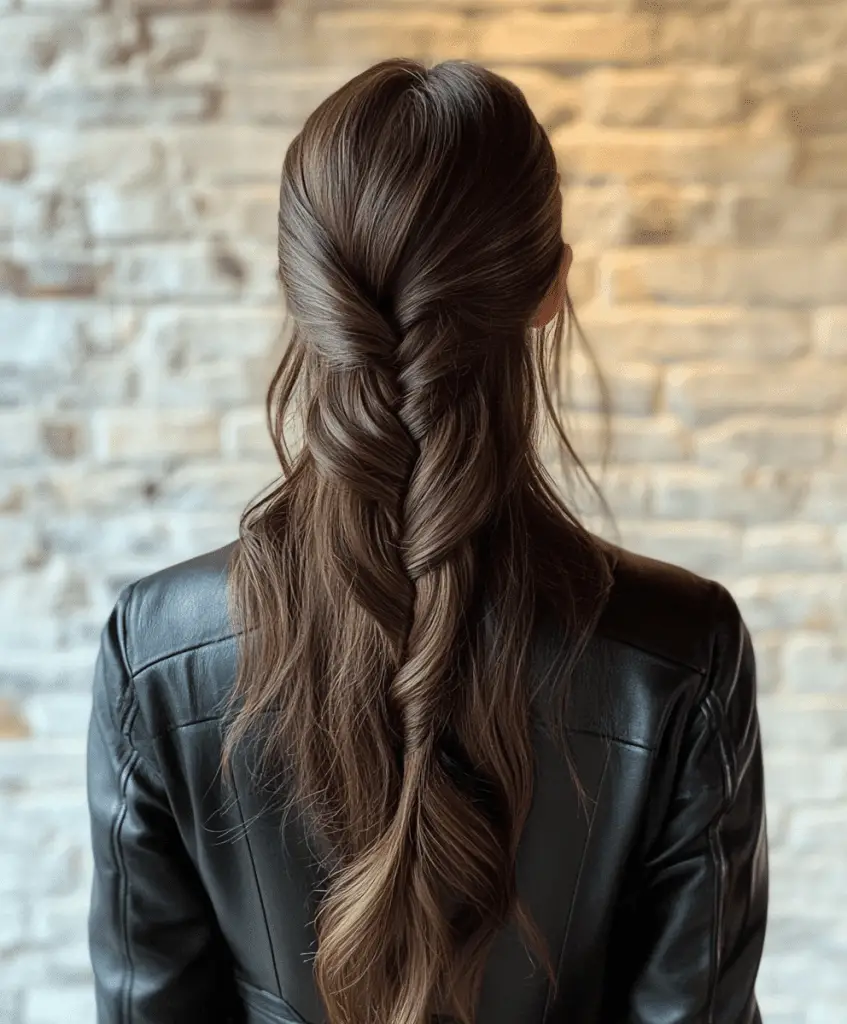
387 589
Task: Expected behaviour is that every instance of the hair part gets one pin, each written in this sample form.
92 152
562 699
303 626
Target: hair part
388 588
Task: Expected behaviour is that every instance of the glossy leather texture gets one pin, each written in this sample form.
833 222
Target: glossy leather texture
652 894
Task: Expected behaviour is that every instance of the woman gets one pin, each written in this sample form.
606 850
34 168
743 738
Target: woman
386 646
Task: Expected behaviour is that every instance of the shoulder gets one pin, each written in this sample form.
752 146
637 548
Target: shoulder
668 640
178 608
178 641
665 609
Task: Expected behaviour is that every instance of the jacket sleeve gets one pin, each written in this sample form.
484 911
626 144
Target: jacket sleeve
155 948
697 928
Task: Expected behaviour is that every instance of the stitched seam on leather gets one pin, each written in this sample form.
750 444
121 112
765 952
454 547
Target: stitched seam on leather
123 642
575 732
588 833
183 650
717 851
663 658
127 722
118 853
258 887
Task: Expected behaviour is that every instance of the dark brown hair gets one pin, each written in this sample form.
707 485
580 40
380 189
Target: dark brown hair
388 587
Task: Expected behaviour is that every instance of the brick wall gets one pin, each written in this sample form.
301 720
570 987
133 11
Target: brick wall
704 142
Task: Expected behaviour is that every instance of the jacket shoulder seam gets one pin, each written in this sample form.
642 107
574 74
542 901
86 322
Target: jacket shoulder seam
182 650
711 706
652 653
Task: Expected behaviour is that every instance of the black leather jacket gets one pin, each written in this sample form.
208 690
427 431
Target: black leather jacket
654 899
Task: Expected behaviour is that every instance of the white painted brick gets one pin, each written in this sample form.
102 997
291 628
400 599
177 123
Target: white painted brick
794 601
49 1005
815 664
799 779
744 496
789 547
703 394
702 547
812 827
750 442
13 922
151 433
633 387
826 498
60 715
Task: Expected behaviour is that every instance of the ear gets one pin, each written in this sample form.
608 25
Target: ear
554 300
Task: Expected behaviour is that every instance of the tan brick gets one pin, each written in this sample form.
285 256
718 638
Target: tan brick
652 214
555 99
781 277
823 162
13 725
804 215
154 433
667 335
589 153
667 214
365 34
230 43
706 393
816 98
675 98
283 97
782 36
830 333
573 38
491 5
706 38
224 155
582 279
597 216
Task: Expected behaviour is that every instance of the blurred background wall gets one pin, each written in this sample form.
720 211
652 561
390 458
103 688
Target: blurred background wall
703 144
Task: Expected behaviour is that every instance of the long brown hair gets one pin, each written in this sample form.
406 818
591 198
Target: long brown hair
387 588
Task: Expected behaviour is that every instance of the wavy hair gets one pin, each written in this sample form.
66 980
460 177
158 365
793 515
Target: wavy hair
388 587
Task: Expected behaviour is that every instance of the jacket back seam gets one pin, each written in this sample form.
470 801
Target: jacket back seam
577 880
259 895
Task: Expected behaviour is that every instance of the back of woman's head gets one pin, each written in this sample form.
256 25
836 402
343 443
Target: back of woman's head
388 587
